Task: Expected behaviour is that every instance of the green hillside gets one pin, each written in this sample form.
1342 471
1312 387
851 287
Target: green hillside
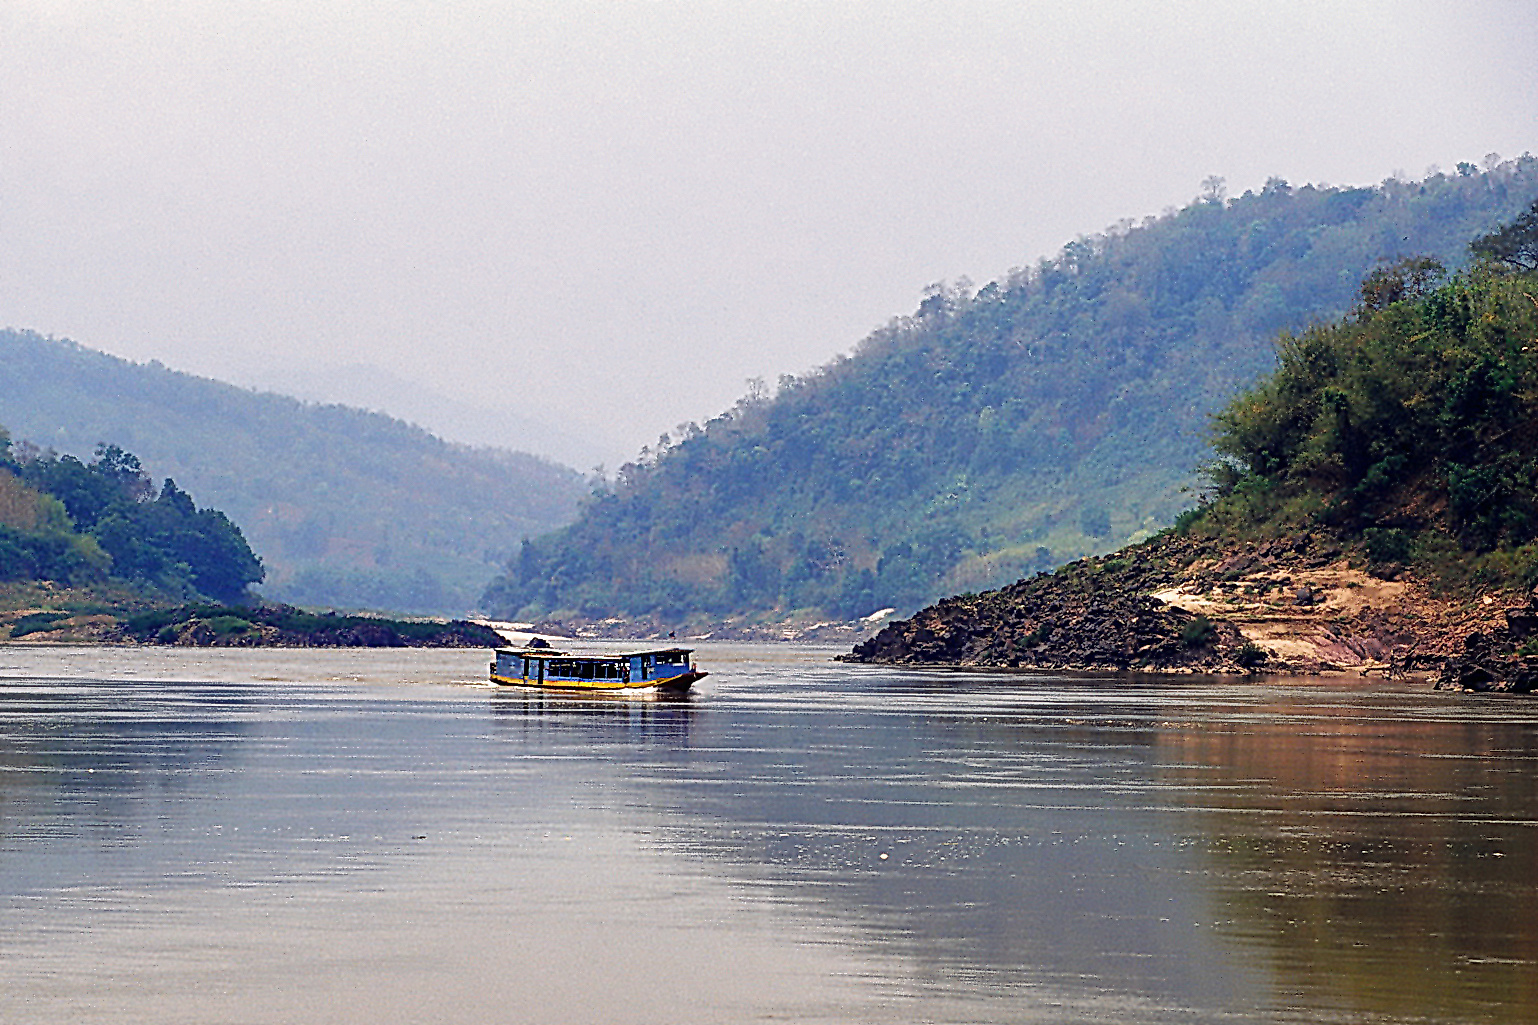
1060 411
345 508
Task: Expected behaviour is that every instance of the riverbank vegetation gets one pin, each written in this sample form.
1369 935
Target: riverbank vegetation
95 552
1410 428
268 625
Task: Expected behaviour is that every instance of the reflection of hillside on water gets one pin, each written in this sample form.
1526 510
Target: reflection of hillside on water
1386 862
96 738
92 771
1018 842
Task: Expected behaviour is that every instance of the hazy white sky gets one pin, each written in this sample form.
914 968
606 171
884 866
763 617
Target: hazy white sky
624 210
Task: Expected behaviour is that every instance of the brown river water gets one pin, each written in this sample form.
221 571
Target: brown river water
376 837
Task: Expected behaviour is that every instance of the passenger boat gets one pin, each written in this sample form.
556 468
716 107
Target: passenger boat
667 669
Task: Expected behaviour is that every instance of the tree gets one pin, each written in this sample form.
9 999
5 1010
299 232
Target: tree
1515 244
1409 278
124 468
162 540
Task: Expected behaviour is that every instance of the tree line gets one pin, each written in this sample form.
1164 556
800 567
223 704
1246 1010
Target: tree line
349 508
76 523
1410 425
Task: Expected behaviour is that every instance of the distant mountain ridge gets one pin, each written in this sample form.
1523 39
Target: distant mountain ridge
1058 412
346 508
371 387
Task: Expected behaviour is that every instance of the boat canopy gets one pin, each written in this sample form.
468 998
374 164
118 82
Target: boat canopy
678 654
648 667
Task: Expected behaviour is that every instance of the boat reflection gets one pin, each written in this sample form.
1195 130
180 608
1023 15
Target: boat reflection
619 714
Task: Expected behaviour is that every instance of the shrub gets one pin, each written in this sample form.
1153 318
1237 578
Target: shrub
1387 544
225 626
1187 519
1197 632
36 622
1251 655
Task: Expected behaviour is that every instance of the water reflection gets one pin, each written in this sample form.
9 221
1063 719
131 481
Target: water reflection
1383 857
1008 837
819 842
106 736
1146 839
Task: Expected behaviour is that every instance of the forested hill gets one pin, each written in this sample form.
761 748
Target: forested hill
345 508
75 523
1374 504
1060 411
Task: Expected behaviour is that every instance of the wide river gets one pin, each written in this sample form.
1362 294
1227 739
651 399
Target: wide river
376 837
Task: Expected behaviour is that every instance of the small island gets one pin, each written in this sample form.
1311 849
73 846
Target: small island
275 625
1373 507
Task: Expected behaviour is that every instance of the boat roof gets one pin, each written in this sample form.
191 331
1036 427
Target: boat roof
554 653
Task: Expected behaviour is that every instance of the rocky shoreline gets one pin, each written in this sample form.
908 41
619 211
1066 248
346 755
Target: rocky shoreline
1297 605
241 626
286 626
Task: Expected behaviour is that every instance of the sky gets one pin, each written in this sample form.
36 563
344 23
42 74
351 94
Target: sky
567 227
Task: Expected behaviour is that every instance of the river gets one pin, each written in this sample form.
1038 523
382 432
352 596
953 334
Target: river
194 836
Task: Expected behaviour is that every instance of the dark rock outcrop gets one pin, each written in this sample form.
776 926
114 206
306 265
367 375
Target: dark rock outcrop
1503 658
1295 604
1096 614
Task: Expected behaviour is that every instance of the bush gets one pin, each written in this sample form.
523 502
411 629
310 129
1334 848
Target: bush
1197 632
36 622
225 626
1186 520
1387 546
1251 655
